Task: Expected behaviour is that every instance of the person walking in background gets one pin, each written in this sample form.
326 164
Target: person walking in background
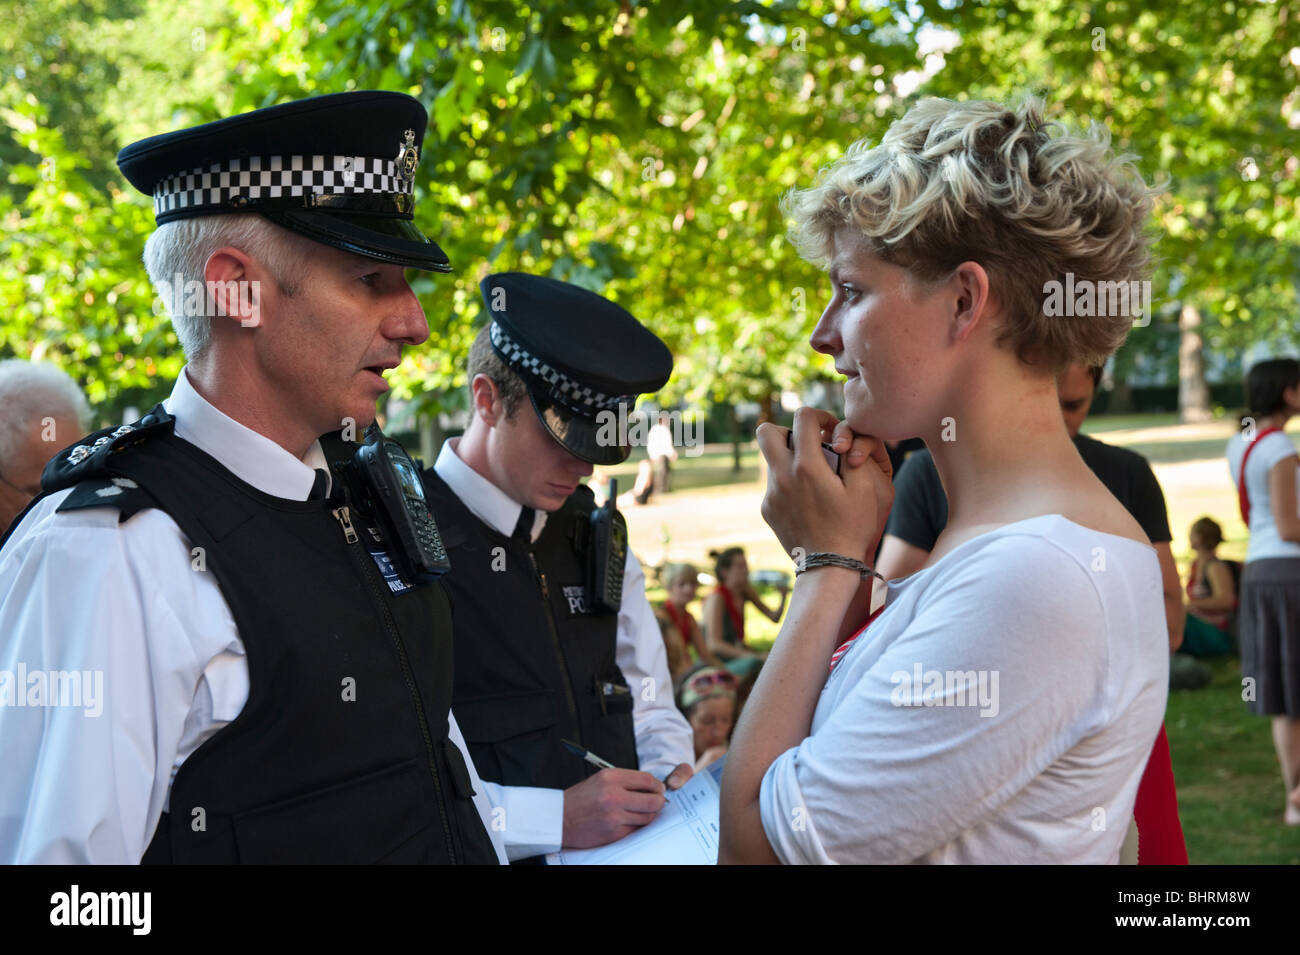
659 448
724 612
1265 468
41 411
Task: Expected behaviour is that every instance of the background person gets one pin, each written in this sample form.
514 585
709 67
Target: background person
1266 469
708 698
41 411
939 242
724 612
682 582
1211 594
661 452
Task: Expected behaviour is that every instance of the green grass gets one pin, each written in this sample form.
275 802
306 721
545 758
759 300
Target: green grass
1229 784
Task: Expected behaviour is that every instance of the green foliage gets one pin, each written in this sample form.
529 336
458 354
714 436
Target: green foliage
1207 95
637 149
74 293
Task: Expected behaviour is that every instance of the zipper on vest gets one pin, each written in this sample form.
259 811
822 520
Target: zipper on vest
344 517
366 568
559 651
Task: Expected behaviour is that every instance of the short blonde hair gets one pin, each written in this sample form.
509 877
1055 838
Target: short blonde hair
975 181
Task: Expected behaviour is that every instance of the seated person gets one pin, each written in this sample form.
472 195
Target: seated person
679 662
724 612
708 698
1211 595
682 582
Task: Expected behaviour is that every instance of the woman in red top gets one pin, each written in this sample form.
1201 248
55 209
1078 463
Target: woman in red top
724 612
682 583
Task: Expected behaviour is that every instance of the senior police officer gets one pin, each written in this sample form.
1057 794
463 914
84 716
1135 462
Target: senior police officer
554 637
264 665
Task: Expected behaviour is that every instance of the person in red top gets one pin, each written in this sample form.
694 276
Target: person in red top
682 583
724 612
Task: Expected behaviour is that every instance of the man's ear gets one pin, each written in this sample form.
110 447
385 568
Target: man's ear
487 406
234 287
973 302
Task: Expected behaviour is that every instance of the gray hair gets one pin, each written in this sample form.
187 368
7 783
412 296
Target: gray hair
178 251
30 389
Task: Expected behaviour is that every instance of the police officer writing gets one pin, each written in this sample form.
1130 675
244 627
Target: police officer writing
554 637
230 643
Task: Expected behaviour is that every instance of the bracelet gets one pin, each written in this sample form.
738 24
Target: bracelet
824 559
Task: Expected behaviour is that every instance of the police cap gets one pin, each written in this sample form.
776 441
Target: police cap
583 358
339 169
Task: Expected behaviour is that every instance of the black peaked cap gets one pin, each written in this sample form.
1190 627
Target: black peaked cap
337 168
579 353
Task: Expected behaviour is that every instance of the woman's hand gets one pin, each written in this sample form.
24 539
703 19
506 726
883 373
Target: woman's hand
807 505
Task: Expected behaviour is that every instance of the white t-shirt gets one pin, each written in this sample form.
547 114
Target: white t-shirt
1264 538
1001 709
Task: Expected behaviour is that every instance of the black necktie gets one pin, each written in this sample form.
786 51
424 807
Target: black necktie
524 526
318 487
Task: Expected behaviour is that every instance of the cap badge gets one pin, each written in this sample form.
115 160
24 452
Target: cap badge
408 157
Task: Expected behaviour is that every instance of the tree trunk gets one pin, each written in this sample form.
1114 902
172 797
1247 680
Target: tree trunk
431 438
1193 390
735 437
765 408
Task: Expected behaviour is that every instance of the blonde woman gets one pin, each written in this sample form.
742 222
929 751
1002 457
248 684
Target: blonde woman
1002 705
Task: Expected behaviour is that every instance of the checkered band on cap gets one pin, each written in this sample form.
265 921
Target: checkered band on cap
564 391
276 177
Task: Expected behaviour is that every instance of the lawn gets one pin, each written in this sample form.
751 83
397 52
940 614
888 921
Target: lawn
1230 789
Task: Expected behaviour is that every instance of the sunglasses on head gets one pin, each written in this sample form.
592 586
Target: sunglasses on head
703 681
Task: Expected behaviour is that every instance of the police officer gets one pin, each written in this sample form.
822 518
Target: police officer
263 670
554 637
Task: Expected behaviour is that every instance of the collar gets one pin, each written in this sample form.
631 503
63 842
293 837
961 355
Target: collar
253 458
493 506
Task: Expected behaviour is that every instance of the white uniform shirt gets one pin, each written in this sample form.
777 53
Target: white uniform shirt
79 592
1001 709
534 817
1265 541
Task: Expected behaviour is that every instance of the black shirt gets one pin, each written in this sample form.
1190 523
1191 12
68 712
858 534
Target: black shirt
920 510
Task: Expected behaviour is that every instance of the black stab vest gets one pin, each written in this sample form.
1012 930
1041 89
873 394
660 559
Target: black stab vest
534 665
341 753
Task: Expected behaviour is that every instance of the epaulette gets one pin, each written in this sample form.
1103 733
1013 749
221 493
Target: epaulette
87 467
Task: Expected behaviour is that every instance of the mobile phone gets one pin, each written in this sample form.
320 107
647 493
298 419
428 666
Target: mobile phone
831 457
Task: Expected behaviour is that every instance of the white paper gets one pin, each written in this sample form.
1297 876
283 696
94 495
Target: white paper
684 833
